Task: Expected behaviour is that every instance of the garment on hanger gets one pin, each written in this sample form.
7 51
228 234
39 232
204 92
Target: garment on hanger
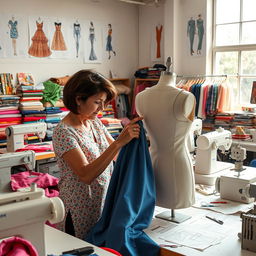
212 95
129 204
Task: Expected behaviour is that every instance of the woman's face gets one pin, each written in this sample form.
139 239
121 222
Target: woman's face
90 108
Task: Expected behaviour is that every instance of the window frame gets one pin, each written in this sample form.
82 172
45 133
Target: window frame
232 48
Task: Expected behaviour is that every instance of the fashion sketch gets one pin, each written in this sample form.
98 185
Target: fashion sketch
159 29
39 46
109 47
58 42
12 24
77 35
191 30
92 39
200 31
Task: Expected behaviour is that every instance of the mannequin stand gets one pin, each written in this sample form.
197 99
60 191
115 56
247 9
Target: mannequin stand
171 216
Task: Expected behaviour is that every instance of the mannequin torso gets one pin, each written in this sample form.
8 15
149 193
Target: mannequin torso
168 113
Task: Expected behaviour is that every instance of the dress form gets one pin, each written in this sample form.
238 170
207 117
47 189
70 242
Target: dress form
168 113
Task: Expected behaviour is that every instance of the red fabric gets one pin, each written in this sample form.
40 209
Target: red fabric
16 246
37 148
10 119
111 250
43 180
33 118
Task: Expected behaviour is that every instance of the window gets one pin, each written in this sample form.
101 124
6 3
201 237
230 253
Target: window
234 45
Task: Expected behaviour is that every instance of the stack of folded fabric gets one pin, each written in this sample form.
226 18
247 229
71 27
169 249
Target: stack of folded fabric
108 112
53 116
113 125
30 98
9 115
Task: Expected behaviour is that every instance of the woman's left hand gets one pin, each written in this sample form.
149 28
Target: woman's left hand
130 131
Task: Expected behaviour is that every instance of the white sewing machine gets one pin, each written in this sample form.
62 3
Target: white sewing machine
207 168
24 214
249 220
230 184
15 134
195 130
233 185
13 159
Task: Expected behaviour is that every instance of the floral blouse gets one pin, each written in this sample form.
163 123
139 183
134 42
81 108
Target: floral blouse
84 202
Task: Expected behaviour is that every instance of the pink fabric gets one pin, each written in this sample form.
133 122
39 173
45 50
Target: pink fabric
9 112
37 148
16 246
43 180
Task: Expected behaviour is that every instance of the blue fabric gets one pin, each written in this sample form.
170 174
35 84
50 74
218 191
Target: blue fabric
129 203
253 163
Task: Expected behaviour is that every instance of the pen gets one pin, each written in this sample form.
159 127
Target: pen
217 221
218 202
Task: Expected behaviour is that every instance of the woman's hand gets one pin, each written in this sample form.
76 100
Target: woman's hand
130 131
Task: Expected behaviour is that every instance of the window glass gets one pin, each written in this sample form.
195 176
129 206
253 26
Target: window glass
226 63
233 83
246 89
247 36
249 10
248 62
227 34
234 46
224 13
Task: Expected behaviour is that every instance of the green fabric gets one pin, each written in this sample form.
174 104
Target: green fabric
51 92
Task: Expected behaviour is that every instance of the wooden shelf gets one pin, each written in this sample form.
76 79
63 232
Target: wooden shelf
123 81
137 82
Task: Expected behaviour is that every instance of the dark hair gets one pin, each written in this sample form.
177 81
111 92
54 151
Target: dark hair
86 83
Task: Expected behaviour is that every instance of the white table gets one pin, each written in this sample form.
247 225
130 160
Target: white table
230 246
58 242
248 145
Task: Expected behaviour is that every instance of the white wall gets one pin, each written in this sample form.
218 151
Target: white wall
123 17
175 15
149 16
189 65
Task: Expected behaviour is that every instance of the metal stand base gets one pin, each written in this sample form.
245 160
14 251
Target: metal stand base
170 216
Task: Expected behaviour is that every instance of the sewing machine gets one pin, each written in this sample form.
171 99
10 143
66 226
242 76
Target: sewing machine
231 184
24 214
207 168
195 130
13 159
15 134
249 220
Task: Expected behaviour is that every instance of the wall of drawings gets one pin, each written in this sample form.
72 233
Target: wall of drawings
56 38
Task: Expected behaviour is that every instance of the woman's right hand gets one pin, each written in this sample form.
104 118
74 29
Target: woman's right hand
130 131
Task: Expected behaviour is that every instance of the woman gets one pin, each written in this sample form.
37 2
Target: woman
85 150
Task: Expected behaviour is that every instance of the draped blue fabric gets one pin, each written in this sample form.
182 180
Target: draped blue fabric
129 203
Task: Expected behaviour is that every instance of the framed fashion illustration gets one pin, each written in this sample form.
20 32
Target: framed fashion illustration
93 38
39 45
13 36
61 38
157 40
195 33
